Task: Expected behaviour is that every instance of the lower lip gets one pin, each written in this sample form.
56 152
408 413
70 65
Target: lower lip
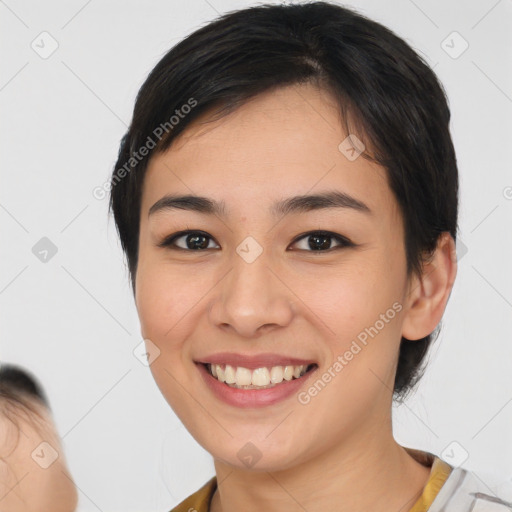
248 398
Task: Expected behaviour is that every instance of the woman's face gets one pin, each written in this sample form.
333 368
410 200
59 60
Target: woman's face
255 282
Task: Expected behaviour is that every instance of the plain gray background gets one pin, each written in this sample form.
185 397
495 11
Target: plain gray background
72 321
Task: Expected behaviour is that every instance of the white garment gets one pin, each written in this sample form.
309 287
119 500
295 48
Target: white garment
463 491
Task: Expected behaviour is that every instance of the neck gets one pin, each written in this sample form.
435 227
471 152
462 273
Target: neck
365 472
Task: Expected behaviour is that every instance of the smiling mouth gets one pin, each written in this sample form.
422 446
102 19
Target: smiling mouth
259 378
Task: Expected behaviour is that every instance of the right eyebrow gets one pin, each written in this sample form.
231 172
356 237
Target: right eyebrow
295 204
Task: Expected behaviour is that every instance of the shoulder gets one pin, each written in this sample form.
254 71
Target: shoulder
477 492
200 500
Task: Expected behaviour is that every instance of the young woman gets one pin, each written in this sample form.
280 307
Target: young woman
286 196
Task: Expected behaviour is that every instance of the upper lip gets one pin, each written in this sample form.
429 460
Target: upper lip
256 361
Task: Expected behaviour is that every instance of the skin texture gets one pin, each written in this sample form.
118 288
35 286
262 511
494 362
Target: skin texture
337 452
25 485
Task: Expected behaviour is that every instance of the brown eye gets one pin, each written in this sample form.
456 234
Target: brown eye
192 241
321 241
317 241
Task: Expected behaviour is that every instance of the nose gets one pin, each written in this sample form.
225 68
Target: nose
252 298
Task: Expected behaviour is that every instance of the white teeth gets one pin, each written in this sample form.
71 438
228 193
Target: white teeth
261 377
276 374
229 375
220 373
288 372
241 377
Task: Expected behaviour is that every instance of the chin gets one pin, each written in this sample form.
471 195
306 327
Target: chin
256 455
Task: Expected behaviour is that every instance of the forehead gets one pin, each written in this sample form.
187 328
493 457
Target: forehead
289 141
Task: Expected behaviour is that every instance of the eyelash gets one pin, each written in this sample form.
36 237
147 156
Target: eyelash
169 241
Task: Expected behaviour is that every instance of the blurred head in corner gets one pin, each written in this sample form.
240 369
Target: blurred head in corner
33 472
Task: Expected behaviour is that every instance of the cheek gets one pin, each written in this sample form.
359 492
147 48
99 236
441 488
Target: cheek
165 302
165 299
348 298
361 307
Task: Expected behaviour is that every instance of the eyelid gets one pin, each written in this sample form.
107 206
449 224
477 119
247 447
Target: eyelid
343 240
168 242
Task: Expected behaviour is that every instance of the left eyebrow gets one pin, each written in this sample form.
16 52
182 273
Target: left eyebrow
295 204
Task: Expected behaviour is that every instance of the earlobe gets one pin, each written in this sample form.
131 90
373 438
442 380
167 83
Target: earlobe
428 294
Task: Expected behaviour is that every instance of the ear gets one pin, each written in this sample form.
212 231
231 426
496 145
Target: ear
428 294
